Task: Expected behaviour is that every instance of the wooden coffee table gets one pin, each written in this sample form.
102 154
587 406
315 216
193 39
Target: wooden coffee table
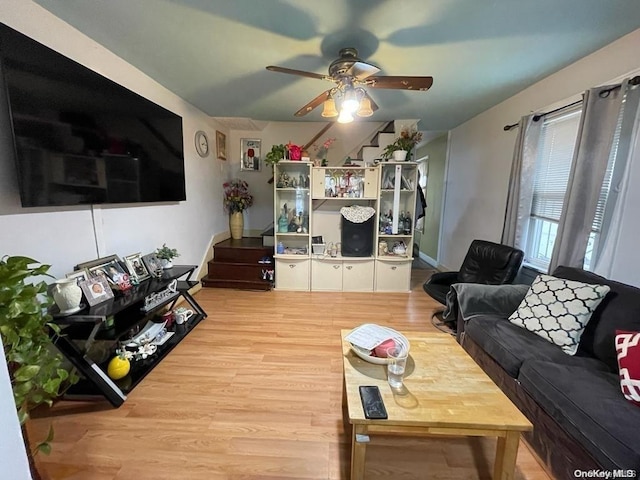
445 393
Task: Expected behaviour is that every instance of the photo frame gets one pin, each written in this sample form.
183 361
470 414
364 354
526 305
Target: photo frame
221 145
136 266
152 262
97 261
96 290
113 272
250 154
79 275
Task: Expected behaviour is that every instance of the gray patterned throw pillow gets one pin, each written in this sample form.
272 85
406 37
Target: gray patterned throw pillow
558 310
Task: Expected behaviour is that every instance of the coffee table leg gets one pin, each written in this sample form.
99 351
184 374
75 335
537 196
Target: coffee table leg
359 440
506 453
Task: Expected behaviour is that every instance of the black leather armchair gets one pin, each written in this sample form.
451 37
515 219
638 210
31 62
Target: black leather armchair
486 262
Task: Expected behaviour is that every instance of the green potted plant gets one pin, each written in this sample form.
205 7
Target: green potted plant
166 255
35 367
404 143
276 154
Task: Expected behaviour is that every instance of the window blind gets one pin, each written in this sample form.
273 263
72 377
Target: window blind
553 165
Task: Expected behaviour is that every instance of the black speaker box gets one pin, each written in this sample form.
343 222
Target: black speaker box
357 238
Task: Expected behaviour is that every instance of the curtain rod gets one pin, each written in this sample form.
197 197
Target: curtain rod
634 81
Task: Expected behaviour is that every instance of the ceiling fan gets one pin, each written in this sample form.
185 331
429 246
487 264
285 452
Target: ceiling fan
350 75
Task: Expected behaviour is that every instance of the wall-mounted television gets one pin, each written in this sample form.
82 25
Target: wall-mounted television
80 138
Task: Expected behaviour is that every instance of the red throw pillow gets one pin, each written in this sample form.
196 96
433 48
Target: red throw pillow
628 350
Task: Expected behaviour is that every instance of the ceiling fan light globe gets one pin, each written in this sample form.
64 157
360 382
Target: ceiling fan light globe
365 109
345 116
329 108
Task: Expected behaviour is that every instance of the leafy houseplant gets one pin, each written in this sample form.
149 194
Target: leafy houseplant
276 154
406 141
166 254
35 368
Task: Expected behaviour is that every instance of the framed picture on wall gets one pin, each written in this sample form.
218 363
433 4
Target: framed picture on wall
221 145
250 154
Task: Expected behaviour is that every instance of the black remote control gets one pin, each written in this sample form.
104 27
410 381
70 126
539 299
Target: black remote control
372 403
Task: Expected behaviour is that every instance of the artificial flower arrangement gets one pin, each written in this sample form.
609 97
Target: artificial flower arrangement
406 141
236 196
321 152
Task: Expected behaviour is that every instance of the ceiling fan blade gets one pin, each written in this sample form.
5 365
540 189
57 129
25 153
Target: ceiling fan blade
302 73
400 83
362 70
313 104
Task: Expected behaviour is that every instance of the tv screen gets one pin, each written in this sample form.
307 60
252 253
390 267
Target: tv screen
81 138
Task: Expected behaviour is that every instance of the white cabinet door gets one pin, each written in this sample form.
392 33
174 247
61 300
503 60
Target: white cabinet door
393 276
317 182
371 176
292 274
326 275
357 276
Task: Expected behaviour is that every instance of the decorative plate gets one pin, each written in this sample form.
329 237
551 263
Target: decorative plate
365 354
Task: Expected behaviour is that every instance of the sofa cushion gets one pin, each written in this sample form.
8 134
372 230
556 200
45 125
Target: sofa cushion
510 345
557 310
628 348
588 404
620 310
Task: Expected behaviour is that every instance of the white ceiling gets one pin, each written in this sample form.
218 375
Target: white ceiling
213 52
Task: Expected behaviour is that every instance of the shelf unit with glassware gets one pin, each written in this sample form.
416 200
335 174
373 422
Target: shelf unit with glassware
396 217
292 224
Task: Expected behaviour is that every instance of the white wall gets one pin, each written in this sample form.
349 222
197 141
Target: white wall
64 237
481 152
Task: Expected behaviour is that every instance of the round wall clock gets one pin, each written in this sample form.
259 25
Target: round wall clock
202 143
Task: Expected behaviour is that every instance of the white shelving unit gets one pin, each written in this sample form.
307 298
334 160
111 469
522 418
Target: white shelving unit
387 187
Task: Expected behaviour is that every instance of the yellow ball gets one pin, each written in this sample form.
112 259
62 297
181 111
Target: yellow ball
118 368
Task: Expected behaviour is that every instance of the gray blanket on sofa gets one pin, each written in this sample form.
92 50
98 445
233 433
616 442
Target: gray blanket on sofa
471 299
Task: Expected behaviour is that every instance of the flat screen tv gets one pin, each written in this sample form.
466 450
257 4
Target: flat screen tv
80 138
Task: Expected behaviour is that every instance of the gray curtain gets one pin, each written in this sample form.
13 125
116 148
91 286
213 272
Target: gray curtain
627 155
520 196
601 108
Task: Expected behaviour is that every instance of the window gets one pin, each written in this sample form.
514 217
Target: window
552 169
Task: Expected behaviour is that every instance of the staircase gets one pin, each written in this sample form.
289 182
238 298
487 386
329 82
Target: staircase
387 135
236 264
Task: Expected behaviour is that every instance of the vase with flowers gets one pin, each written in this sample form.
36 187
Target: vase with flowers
321 152
402 146
236 200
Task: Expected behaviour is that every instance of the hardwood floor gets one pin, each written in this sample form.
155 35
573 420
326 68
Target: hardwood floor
255 393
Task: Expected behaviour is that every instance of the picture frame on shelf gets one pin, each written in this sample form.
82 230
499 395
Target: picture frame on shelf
153 264
96 289
250 154
97 261
137 267
114 273
79 275
221 145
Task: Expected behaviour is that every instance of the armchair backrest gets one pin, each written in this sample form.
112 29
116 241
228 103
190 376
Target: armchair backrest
490 263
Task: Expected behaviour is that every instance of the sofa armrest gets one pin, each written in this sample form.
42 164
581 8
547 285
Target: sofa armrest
467 300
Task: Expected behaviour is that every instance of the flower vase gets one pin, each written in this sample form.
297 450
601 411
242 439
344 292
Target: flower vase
236 225
400 155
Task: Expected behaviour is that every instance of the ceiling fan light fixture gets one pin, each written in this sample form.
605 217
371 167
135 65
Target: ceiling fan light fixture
350 102
365 109
329 108
345 116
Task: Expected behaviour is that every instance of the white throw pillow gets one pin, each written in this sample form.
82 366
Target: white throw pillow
558 310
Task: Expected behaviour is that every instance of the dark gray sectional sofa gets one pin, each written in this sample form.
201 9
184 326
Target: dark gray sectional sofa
581 419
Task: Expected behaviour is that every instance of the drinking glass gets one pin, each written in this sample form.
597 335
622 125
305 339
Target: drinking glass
396 364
